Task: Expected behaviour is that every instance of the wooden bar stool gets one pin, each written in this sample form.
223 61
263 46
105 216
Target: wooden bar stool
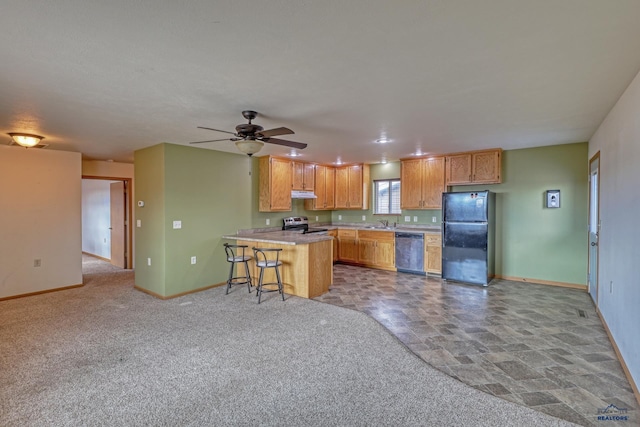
235 255
264 261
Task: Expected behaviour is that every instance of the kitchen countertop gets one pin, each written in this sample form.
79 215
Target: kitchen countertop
295 237
278 236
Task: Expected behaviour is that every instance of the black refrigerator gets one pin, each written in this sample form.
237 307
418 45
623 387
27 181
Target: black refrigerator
468 235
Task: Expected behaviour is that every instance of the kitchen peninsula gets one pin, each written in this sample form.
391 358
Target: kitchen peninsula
307 259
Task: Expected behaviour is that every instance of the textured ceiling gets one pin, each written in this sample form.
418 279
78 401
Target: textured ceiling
109 77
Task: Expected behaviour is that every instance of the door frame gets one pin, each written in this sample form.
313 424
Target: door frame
128 209
596 157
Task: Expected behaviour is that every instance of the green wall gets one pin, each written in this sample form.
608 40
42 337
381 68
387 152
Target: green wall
149 179
210 192
532 241
386 171
215 193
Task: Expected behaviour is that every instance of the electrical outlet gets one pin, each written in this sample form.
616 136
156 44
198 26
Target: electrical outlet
268 221
37 262
433 219
193 260
316 218
177 224
339 217
407 219
415 219
138 223
364 217
148 261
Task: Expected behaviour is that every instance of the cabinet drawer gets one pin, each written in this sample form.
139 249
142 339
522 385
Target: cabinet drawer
346 233
376 235
433 240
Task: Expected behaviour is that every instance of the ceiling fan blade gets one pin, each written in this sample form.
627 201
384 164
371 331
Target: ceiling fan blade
211 140
292 144
275 132
217 130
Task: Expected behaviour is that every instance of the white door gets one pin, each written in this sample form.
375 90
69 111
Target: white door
594 225
118 229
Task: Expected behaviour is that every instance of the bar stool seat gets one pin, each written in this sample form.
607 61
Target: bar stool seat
236 255
268 258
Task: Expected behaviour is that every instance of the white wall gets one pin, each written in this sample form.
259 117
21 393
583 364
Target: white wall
618 140
96 217
40 218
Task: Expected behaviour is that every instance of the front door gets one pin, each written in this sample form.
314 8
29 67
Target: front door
118 229
594 225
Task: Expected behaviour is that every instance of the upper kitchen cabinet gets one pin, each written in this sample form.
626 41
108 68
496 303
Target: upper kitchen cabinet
325 177
477 167
303 176
352 187
276 180
423 183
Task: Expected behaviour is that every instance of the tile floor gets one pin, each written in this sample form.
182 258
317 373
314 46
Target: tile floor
540 346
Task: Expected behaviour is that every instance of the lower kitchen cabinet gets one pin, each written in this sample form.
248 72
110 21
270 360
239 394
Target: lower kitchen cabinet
334 234
348 245
433 254
377 249
369 248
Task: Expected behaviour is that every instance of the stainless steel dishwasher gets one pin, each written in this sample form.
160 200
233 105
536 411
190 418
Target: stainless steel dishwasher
410 252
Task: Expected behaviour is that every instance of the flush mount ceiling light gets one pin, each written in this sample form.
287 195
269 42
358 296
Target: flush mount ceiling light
26 139
249 146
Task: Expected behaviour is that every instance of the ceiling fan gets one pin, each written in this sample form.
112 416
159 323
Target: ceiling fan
250 138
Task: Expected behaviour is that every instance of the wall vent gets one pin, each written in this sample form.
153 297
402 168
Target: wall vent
582 313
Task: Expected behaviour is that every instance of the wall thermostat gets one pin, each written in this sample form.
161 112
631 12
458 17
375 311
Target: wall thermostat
140 203
553 198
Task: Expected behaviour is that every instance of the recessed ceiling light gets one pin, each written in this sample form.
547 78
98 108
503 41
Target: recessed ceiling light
383 140
294 154
383 161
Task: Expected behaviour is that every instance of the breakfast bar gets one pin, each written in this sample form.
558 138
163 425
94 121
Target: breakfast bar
307 259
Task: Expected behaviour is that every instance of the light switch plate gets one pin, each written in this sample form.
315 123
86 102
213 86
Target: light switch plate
415 219
177 224
268 221
364 217
407 219
138 223
193 260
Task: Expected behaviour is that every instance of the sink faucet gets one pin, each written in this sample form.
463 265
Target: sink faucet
384 222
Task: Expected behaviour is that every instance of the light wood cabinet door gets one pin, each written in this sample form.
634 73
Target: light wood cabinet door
303 176
348 245
433 254
355 186
411 184
386 253
486 167
334 234
324 178
275 184
477 167
366 251
351 185
330 190
423 182
433 183
342 188
458 169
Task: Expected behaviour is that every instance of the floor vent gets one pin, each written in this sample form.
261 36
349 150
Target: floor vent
582 313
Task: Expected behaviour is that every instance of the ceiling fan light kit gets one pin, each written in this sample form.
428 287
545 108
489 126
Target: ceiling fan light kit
250 138
249 146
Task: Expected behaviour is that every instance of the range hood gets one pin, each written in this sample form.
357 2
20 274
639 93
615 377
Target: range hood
297 194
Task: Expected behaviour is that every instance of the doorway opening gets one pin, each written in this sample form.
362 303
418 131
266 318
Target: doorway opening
106 219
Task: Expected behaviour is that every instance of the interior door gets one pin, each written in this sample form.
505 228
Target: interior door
118 228
594 225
